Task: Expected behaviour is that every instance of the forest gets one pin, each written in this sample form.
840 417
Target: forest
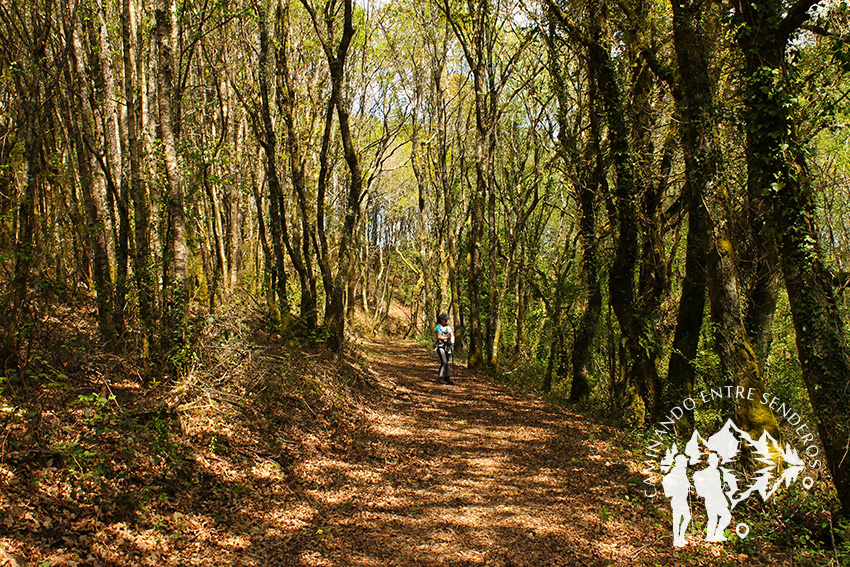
618 204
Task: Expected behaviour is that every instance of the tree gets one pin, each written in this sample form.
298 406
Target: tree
82 132
490 76
176 254
131 42
336 58
34 69
590 182
778 162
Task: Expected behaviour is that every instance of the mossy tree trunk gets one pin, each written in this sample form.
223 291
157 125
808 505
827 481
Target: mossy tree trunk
131 41
336 56
299 252
777 159
590 182
693 95
83 135
621 280
710 244
265 131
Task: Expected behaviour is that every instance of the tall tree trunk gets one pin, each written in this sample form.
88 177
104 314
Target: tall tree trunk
131 43
494 304
176 255
113 170
30 88
694 102
586 333
24 245
593 176
621 282
235 204
427 252
681 371
335 319
778 160
82 131
301 257
474 52
335 312
277 214
324 256
650 179
475 358
759 263
452 234
738 362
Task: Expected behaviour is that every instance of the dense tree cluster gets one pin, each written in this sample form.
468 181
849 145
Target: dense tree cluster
636 199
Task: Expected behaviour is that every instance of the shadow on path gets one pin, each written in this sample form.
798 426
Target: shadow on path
469 474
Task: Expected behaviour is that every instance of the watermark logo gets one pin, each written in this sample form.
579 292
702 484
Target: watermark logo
710 470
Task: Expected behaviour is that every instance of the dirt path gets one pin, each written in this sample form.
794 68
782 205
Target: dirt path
415 473
473 474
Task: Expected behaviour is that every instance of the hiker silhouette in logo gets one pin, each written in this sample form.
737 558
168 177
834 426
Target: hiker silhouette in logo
676 487
445 339
709 485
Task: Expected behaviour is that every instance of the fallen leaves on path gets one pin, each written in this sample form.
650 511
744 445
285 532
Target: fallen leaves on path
408 472
475 474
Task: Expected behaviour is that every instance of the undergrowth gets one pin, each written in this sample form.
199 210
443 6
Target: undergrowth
87 444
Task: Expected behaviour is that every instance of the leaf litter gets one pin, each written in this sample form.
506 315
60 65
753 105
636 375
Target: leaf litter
302 459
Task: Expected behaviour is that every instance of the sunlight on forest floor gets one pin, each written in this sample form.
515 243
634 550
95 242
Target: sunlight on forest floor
406 472
473 474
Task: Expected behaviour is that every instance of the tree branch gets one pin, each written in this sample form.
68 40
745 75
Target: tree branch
796 16
663 72
569 26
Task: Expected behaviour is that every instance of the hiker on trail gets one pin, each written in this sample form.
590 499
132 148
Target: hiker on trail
445 339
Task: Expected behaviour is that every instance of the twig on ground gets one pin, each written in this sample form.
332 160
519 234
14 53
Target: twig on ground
306 404
639 550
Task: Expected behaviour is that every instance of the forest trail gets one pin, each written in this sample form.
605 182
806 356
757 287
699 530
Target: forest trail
474 474
391 468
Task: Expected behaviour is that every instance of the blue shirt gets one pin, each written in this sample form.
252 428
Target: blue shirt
445 332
